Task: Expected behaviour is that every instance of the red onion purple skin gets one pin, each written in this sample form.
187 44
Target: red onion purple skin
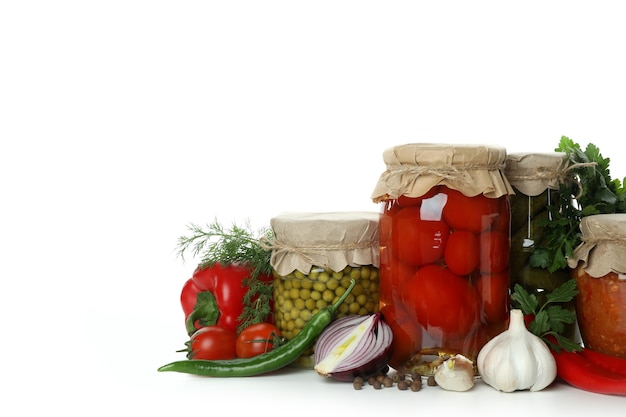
376 366
373 368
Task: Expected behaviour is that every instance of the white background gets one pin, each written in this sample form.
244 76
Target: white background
121 122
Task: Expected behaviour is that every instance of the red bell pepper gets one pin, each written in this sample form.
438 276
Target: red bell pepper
214 295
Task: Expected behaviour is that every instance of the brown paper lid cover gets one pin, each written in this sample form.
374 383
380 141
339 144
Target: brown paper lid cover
534 173
330 240
603 247
413 169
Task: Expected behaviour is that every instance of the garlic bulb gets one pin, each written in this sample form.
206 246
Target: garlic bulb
516 359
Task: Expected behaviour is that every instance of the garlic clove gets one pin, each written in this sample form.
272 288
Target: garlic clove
546 367
455 374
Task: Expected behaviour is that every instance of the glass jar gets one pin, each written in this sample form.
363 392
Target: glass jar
314 257
444 234
536 179
599 267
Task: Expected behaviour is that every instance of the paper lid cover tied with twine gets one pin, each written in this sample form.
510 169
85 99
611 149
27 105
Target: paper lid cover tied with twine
603 247
413 169
534 173
330 240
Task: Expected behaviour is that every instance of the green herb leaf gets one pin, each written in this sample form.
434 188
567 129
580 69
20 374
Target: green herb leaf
564 343
526 302
563 293
558 317
550 318
540 325
215 244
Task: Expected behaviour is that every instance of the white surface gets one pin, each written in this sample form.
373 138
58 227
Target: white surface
124 121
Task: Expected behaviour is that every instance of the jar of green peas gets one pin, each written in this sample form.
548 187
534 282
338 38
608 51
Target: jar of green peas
314 257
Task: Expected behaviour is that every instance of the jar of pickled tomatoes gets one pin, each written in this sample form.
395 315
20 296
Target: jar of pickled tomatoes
314 258
599 267
444 234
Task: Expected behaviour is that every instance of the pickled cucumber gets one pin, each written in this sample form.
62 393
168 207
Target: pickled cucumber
526 233
523 206
521 271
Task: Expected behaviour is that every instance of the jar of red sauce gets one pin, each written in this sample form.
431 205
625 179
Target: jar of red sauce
444 234
599 267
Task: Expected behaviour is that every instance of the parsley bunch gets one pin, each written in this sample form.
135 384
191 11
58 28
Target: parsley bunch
592 191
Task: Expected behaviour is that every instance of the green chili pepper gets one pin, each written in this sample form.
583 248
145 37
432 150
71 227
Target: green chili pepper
273 360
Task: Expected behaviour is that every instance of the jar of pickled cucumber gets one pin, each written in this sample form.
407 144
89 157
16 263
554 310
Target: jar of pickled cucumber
444 242
314 256
599 267
536 179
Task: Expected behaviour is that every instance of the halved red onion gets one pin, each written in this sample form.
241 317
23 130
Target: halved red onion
353 346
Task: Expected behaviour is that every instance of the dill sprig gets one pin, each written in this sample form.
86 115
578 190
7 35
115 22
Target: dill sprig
237 245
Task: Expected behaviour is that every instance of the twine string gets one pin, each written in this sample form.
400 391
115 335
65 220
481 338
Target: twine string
444 171
274 244
561 175
392 177
549 174
308 251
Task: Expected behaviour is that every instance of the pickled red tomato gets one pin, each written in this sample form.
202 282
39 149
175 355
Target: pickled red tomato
393 273
494 252
407 335
493 290
474 214
461 253
470 343
442 301
404 201
415 240
502 222
384 229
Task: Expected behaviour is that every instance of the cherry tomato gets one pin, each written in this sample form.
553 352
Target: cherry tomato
256 339
493 290
494 252
445 304
212 343
462 252
474 214
415 240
